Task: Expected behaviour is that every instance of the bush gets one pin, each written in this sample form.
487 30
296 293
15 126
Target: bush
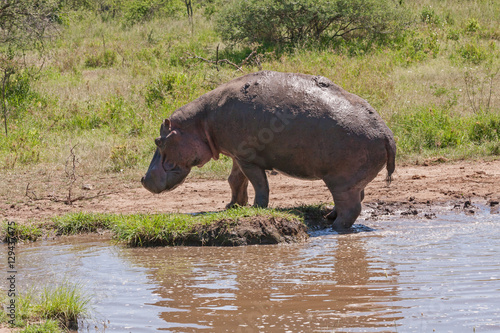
428 15
168 84
427 129
144 10
485 130
292 21
473 53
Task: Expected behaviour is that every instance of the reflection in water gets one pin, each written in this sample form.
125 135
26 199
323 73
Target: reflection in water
329 283
406 276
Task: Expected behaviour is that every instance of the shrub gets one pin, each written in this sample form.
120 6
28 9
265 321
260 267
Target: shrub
428 15
22 147
486 130
473 53
472 25
427 129
292 21
168 84
144 10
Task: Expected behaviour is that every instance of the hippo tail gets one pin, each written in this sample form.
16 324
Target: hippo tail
390 147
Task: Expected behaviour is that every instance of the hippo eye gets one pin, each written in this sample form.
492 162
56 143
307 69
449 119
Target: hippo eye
160 141
167 166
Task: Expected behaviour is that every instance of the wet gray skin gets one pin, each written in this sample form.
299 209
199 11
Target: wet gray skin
301 125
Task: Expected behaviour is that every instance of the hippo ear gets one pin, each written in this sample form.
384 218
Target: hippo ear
165 128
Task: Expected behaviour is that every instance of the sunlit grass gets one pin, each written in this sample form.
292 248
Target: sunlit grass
51 308
112 111
158 229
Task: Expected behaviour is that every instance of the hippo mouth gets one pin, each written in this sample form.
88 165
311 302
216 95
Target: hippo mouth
169 181
163 176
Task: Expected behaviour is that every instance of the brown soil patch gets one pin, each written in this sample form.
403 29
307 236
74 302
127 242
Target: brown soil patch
432 184
248 231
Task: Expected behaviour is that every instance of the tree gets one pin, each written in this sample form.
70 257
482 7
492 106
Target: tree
292 21
24 27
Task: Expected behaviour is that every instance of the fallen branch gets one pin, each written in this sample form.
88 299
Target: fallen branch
218 61
68 200
215 62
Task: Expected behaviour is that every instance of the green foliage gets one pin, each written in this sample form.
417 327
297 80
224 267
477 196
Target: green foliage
51 308
427 129
18 92
121 158
21 147
77 223
48 326
165 229
438 128
104 59
453 34
144 10
165 85
287 21
417 47
162 229
472 25
64 303
485 128
24 26
473 53
428 15
21 232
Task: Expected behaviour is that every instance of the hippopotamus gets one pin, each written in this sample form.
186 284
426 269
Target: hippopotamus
301 125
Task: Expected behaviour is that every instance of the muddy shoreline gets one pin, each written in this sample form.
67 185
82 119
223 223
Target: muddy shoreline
417 191
297 227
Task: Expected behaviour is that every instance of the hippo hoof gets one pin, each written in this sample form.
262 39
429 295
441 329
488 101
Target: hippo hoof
339 227
234 205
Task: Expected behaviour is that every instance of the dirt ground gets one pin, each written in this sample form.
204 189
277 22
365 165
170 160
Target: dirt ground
434 183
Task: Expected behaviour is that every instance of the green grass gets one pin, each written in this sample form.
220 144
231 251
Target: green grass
76 223
169 229
21 232
158 229
425 131
108 85
48 326
50 309
161 229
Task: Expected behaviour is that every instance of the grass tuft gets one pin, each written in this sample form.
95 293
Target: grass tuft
50 309
77 223
21 232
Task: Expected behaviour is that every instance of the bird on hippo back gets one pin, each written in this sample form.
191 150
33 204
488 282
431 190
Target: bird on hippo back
301 125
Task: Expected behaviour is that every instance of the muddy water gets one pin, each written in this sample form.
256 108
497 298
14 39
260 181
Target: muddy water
404 276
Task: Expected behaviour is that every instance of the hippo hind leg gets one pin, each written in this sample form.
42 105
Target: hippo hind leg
347 207
239 185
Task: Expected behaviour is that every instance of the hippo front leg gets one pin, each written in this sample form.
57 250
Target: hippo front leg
257 177
239 185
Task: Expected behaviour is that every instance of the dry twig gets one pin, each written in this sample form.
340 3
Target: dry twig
218 61
71 175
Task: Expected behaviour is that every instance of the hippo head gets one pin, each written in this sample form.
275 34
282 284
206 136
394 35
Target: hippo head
176 153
